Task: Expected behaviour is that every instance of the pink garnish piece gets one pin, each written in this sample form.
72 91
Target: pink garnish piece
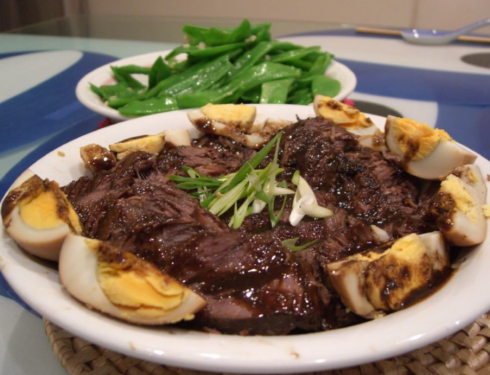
105 122
349 102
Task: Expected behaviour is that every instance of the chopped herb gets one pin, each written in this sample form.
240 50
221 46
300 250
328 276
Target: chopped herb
291 244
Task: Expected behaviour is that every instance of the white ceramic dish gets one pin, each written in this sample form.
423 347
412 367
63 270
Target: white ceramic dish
464 298
103 76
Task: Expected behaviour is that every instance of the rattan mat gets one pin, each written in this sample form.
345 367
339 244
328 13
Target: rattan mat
466 352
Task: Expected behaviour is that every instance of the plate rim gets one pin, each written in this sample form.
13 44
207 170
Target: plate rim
91 101
289 351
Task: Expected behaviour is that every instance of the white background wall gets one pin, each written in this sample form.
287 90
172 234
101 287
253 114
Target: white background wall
440 14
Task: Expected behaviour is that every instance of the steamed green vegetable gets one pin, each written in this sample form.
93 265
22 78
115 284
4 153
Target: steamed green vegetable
222 65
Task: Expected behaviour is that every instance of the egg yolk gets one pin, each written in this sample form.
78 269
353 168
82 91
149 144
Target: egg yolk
486 210
465 203
41 212
342 114
238 115
473 177
152 144
409 247
416 140
141 289
407 264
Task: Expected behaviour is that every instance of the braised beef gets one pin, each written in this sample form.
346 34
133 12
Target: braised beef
253 284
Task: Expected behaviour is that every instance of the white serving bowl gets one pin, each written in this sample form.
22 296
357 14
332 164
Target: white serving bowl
103 76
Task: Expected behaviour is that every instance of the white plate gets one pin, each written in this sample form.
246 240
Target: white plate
103 76
464 298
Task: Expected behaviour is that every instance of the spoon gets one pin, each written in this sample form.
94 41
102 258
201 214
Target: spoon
438 37
432 37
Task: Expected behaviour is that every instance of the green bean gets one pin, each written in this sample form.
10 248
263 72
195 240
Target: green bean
202 79
222 65
321 63
275 92
218 36
252 96
158 72
323 85
202 52
149 107
301 96
124 77
294 54
108 91
134 69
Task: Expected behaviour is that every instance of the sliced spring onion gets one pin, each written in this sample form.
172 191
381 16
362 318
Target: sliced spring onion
305 203
250 190
291 244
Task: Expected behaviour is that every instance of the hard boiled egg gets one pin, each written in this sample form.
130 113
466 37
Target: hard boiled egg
351 119
423 151
348 277
459 212
177 137
223 117
406 268
373 283
119 284
236 121
471 174
152 144
38 216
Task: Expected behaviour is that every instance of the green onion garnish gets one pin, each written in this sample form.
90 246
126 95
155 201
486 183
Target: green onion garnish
291 244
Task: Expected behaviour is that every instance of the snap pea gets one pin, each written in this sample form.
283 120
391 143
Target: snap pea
275 92
298 63
323 85
149 107
247 80
263 72
116 102
250 58
158 72
294 54
134 69
252 96
96 90
218 36
124 77
173 80
222 65
202 52
321 63
108 91
302 96
262 32
201 79
254 55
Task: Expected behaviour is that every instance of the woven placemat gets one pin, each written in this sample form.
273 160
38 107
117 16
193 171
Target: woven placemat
467 353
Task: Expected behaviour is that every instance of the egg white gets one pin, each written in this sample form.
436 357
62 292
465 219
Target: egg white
177 137
446 156
43 243
471 174
463 231
348 276
77 269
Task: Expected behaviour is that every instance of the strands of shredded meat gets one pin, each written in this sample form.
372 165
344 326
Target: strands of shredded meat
253 284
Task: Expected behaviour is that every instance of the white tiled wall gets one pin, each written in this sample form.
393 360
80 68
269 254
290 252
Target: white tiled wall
441 14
